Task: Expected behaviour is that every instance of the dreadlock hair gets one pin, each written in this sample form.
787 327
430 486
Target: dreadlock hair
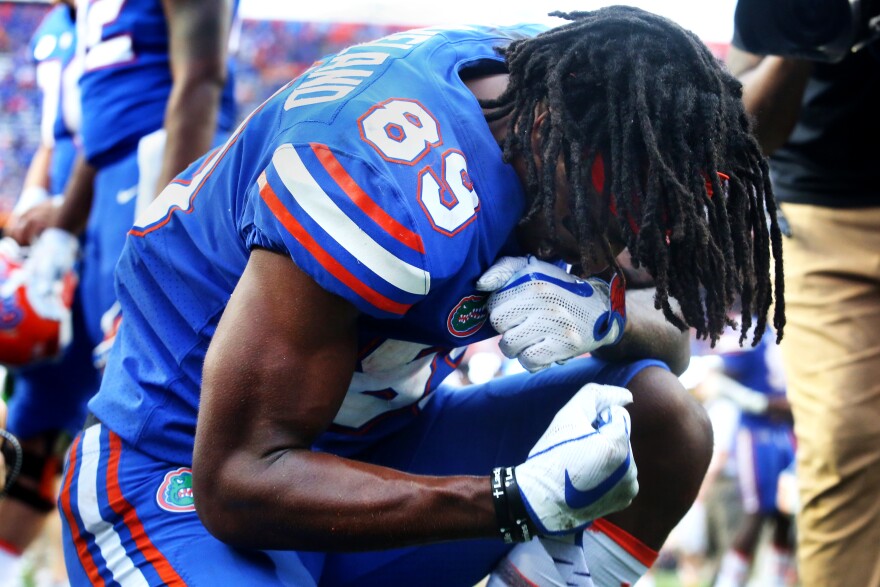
651 100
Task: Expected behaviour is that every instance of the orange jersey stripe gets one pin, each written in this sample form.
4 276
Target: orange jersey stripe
323 257
129 516
632 545
82 552
363 200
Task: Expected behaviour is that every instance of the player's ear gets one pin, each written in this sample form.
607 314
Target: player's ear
542 117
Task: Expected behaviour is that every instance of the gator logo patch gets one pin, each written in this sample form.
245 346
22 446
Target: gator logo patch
176 493
468 316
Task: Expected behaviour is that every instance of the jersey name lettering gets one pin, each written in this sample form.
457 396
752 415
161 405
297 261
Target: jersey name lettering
335 79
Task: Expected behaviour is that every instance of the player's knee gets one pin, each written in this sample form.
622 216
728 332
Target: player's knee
671 437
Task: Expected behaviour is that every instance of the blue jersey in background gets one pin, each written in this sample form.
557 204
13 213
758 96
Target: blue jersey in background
54 51
126 77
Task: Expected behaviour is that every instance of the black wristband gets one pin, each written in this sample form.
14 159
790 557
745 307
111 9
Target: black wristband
499 500
11 450
517 508
513 520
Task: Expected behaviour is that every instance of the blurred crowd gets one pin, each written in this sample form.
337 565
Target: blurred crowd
265 60
19 97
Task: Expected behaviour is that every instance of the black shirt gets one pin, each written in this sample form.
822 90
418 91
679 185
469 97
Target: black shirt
832 157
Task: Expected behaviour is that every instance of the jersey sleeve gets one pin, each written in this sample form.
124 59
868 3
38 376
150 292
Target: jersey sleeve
345 225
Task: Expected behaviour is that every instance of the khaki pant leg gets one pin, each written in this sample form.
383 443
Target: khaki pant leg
832 360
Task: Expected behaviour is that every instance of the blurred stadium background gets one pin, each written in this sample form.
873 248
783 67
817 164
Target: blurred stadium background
279 39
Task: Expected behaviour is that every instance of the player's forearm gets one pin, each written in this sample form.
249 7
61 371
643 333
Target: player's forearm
34 193
73 214
190 124
198 32
38 171
299 499
648 335
275 377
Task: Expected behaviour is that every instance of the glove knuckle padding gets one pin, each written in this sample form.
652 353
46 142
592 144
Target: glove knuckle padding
582 467
512 345
546 315
500 273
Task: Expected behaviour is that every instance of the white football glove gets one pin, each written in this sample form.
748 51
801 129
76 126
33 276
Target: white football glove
582 468
51 260
546 315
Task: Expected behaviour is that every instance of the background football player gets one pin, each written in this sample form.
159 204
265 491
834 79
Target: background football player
52 374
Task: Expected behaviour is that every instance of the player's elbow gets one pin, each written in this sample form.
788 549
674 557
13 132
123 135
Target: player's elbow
242 503
219 523
220 503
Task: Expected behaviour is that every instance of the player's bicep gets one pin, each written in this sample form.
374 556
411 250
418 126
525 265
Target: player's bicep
278 366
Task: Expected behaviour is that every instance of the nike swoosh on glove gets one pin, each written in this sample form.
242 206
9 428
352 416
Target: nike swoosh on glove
582 468
546 315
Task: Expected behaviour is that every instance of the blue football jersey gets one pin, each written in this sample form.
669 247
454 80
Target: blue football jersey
53 47
126 78
759 368
376 172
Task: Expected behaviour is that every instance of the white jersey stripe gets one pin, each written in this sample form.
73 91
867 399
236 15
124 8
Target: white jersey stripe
108 541
746 471
317 204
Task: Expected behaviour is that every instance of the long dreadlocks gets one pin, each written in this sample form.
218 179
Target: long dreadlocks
651 103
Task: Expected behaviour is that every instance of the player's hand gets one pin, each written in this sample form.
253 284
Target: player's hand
46 271
27 225
582 468
546 315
